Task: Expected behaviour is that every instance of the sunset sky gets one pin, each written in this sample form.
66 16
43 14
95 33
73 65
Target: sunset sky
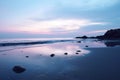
57 18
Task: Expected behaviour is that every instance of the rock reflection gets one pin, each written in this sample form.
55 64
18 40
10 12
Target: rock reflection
112 43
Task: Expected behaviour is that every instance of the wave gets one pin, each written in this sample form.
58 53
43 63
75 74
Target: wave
31 43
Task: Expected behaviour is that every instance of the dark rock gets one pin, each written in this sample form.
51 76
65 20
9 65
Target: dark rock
52 55
77 37
27 56
92 37
65 53
18 69
79 41
83 37
110 34
86 46
78 51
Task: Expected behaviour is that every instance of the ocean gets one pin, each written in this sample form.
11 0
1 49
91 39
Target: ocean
59 59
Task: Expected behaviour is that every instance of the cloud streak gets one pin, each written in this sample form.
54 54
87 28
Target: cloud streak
55 26
63 17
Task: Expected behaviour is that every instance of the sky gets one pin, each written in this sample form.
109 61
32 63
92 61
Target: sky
57 18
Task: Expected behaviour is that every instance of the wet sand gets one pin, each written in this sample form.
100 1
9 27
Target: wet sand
90 63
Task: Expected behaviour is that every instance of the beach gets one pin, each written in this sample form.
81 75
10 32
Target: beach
70 59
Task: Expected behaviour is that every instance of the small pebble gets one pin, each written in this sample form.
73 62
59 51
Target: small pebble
52 55
86 46
78 51
65 53
27 56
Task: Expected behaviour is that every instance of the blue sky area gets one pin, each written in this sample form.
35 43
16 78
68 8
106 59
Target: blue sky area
57 18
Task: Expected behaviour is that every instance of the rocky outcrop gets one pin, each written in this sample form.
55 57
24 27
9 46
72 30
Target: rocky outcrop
111 34
83 37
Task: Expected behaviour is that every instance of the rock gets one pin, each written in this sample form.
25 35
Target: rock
18 69
52 55
65 53
111 34
27 56
86 46
78 51
78 41
83 37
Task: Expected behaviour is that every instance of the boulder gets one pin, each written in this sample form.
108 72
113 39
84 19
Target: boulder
52 55
66 53
18 69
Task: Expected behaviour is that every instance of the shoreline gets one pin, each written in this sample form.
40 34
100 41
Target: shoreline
90 63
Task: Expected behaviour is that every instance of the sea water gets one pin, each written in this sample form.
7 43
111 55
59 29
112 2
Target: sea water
86 59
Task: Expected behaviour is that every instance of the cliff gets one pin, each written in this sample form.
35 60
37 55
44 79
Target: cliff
111 34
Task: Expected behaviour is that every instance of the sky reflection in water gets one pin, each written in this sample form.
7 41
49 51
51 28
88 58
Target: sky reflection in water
58 49
40 66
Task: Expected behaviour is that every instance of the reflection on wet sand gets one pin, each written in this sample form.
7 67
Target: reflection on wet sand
58 50
60 61
112 43
98 43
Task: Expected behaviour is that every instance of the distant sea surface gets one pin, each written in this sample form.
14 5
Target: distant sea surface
30 39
